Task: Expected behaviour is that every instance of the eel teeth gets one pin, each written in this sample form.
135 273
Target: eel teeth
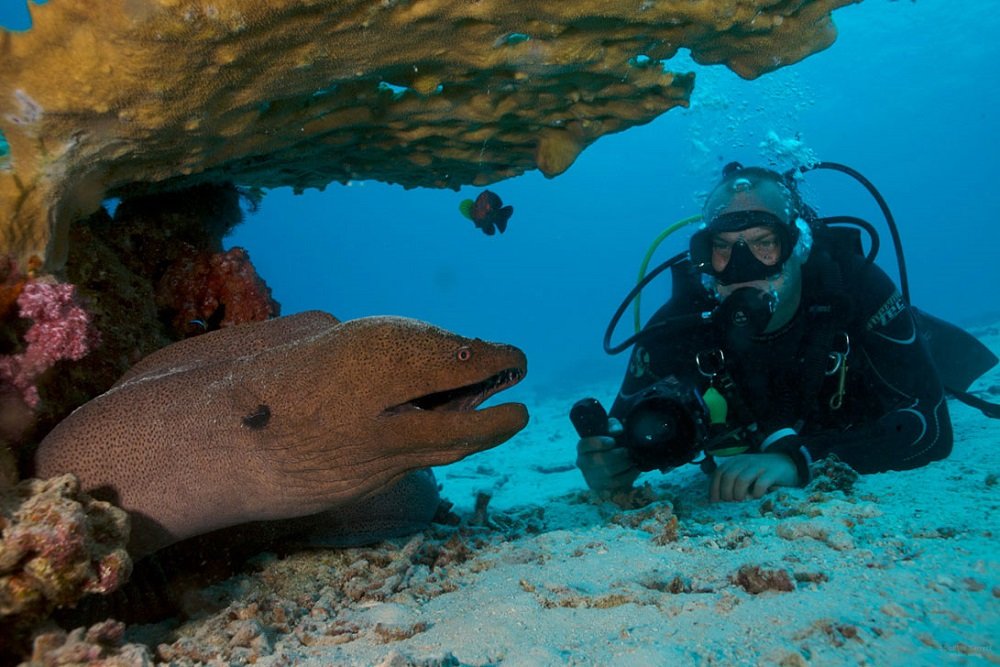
463 398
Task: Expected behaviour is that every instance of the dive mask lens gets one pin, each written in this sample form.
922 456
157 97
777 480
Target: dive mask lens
745 259
747 262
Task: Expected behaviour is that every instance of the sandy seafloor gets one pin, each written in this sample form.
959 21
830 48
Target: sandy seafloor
903 569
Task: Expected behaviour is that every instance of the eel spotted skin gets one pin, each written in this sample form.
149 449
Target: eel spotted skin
282 419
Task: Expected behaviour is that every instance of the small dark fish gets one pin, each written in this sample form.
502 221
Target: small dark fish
487 212
195 327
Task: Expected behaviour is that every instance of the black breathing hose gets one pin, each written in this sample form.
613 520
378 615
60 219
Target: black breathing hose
681 321
904 283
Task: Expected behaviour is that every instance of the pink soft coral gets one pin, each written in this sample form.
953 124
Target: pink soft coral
61 329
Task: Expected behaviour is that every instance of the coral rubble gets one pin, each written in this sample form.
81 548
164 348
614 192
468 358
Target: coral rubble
755 580
158 94
100 644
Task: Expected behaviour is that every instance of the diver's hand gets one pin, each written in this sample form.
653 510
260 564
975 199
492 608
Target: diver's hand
745 475
605 465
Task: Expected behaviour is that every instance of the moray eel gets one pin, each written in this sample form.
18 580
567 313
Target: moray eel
404 507
282 419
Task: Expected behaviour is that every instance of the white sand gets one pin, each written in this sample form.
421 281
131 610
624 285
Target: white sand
904 570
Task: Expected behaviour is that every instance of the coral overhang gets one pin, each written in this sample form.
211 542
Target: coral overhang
157 94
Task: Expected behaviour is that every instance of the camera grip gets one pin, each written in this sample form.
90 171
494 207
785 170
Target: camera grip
589 418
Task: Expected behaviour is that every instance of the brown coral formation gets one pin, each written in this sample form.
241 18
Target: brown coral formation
58 544
157 94
831 474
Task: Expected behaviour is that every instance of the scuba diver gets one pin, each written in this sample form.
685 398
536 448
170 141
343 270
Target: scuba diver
782 344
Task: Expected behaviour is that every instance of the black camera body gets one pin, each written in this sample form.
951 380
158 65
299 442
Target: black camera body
665 425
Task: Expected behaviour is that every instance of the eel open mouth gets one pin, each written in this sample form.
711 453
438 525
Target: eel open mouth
462 398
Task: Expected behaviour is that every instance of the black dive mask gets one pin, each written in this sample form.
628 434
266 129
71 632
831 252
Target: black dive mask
743 266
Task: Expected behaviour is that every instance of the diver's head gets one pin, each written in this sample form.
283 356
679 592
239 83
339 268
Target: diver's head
753 235
751 225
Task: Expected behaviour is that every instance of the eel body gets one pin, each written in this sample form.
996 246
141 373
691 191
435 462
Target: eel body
282 419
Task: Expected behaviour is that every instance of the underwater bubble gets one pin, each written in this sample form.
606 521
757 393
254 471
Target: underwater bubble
789 152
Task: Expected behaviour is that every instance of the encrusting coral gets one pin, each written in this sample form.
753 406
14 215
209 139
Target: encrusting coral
57 545
158 94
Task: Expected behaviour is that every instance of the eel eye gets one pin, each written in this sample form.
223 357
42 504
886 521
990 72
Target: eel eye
464 354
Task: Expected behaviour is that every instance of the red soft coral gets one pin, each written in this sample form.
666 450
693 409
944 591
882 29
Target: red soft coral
61 329
217 289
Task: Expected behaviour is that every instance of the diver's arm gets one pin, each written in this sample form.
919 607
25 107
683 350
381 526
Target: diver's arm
915 427
604 461
670 352
605 464
606 467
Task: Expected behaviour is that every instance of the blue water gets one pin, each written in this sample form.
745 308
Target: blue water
907 95
14 14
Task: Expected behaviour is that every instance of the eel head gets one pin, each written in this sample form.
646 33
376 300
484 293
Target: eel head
403 394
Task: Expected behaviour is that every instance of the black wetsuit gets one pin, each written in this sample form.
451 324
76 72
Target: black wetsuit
893 414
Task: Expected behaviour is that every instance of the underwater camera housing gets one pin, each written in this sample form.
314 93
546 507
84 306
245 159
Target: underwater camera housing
665 425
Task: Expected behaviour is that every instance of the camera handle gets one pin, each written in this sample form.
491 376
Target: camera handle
589 418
